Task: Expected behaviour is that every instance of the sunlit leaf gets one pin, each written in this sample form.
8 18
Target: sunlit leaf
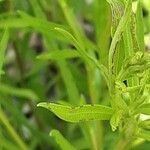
80 113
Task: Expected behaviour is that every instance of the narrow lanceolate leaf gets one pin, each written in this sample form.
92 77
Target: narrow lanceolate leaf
140 26
144 109
59 54
118 33
61 141
24 20
3 46
80 113
70 18
69 37
18 92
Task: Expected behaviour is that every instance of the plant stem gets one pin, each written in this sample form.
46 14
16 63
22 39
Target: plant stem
12 132
122 144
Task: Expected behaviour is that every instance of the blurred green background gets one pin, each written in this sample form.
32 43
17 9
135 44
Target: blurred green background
28 79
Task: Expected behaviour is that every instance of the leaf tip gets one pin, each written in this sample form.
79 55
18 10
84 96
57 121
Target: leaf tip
56 28
42 104
53 132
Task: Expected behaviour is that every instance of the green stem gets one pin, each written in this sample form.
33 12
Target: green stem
96 128
12 132
122 144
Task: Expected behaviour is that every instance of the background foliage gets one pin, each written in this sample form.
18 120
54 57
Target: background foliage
41 64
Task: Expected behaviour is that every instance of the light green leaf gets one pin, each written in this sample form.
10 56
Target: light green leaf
145 124
140 26
3 46
75 26
37 9
144 109
145 134
73 23
119 31
59 54
12 22
71 39
115 119
80 113
83 53
128 41
24 20
61 141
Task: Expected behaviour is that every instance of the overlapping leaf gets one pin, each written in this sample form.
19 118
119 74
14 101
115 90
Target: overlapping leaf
144 109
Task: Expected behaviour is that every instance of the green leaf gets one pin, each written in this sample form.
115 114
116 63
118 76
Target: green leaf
69 81
102 22
61 141
145 124
140 26
71 39
73 23
3 46
145 134
144 109
83 53
119 31
59 54
116 119
80 113
128 41
24 93
37 9
7 144
24 20
12 131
